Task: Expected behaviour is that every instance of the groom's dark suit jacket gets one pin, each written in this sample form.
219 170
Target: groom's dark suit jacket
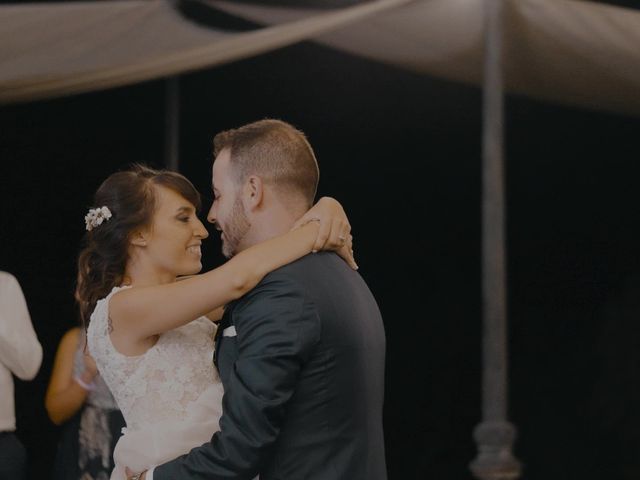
303 380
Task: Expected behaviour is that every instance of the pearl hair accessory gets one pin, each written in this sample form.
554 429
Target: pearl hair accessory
95 217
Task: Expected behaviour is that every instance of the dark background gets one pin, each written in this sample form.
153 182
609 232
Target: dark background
402 153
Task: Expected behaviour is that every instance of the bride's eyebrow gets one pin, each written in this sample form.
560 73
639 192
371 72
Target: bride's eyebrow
185 209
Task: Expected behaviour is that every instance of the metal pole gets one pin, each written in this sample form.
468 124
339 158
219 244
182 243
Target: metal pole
494 435
172 123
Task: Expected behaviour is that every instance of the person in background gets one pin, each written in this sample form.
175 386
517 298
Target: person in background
20 355
78 399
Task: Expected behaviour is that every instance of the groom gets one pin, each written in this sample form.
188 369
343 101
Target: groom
301 356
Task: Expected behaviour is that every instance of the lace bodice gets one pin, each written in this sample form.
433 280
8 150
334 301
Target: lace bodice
162 383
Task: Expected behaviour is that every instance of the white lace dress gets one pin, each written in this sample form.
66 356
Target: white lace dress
170 397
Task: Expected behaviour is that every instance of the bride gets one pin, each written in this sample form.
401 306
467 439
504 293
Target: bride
152 336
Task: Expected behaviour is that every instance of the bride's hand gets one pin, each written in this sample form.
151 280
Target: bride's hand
346 252
334 231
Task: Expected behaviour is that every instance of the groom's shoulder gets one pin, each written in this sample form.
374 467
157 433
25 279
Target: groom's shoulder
284 279
308 265
290 277
295 277
289 270
280 287
310 268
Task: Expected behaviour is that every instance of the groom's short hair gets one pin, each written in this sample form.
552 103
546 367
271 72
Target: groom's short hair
275 151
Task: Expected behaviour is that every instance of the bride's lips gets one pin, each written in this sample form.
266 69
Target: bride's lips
195 250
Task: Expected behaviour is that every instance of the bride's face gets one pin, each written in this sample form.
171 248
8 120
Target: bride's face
172 243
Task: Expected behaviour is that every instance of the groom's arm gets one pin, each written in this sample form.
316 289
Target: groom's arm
276 331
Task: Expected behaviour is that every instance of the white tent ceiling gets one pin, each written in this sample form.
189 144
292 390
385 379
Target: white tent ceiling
569 51
48 50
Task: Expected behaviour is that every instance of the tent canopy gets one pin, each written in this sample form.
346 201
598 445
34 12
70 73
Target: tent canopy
570 51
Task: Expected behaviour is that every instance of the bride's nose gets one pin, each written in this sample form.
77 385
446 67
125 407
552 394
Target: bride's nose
200 230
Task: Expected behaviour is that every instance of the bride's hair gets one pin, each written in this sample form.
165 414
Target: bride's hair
131 201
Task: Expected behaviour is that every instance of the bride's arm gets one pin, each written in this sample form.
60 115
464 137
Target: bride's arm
334 230
142 312
215 315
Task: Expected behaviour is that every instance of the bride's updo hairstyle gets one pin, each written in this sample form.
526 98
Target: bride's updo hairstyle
130 198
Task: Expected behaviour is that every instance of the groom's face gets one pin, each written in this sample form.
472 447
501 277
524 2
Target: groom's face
227 212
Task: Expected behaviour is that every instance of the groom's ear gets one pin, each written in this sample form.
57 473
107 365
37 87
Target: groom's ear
253 192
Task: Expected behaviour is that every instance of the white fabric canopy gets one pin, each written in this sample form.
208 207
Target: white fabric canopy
49 50
576 52
569 51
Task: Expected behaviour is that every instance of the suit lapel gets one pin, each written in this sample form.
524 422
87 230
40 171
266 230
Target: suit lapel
225 322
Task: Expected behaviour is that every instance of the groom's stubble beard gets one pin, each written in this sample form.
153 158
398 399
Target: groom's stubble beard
236 229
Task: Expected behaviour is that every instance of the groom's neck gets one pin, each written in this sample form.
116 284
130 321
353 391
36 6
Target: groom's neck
271 222
268 226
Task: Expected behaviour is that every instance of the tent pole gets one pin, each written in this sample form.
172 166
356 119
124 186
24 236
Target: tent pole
494 435
172 123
